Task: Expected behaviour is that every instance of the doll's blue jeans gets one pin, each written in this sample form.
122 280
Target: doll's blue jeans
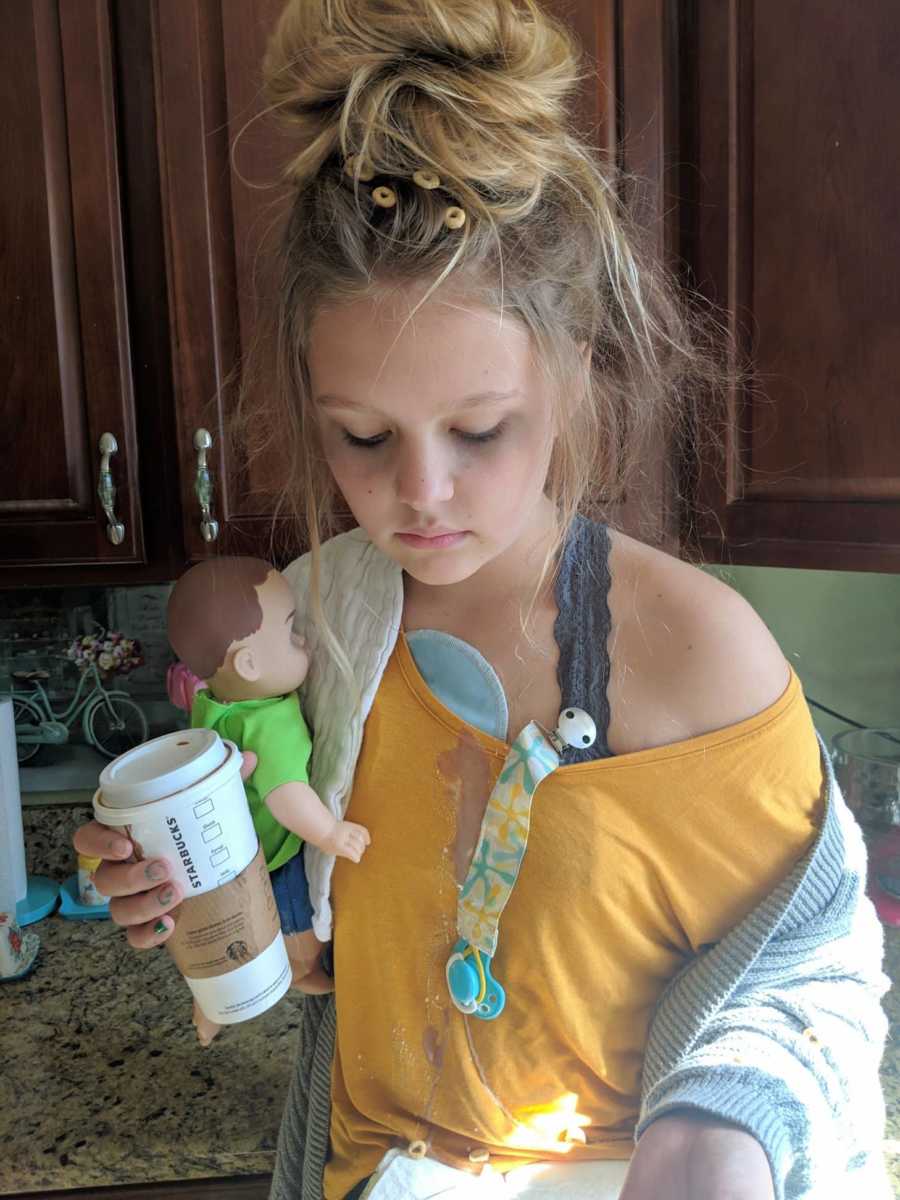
292 895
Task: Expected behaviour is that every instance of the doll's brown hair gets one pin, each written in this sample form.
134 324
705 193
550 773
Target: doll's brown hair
212 605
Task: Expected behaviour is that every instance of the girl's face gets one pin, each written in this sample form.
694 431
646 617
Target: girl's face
438 437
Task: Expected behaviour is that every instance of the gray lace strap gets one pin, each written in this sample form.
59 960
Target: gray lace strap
582 629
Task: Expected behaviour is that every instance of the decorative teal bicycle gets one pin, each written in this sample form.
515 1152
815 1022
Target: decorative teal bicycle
112 721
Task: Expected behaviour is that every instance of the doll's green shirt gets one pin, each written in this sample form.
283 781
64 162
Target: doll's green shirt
276 732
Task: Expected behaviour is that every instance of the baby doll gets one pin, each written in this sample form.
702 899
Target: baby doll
230 621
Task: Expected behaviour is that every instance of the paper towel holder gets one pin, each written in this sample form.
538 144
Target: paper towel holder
27 898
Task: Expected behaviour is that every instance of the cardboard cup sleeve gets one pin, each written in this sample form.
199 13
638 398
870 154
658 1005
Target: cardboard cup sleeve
228 945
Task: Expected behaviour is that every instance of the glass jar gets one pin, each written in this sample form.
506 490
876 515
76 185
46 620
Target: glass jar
867 766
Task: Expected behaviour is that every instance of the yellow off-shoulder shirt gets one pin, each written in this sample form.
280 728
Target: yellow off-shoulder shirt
634 863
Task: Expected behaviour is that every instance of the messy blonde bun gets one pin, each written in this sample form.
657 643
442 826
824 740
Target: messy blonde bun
471 89
475 91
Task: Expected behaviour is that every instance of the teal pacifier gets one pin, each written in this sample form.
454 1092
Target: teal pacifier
473 989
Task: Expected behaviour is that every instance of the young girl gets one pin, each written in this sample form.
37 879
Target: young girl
470 352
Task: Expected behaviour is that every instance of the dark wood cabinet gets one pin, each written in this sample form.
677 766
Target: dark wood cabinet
142 184
791 219
762 136
223 203
133 242
65 353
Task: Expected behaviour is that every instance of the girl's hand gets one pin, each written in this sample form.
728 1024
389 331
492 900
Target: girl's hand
140 892
690 1156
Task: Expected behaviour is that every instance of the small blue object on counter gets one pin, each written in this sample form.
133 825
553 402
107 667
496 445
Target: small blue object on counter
40 900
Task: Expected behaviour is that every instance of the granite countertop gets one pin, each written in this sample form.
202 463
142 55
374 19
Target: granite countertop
103 1081
106 1083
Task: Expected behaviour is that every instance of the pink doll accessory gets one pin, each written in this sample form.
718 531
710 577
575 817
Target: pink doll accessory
182 685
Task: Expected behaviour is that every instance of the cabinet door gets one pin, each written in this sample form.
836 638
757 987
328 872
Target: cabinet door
64 345
221 199
627 108
794 226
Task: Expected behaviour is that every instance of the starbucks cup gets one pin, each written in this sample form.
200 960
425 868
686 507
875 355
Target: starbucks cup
180 797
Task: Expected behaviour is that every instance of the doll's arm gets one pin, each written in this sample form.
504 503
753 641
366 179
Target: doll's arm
299 809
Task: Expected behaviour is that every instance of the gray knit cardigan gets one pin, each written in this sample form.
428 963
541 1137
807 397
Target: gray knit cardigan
778 1027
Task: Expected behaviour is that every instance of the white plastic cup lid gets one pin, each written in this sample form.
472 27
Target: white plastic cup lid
161 767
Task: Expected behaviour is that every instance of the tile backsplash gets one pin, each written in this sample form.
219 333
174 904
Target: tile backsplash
37 625
141 612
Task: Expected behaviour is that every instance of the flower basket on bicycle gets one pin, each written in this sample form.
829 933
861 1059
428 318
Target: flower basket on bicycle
111 720
113 653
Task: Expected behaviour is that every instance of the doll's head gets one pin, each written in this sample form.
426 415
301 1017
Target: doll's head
230 620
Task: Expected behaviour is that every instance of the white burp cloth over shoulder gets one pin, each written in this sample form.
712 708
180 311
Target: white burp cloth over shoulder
401 1177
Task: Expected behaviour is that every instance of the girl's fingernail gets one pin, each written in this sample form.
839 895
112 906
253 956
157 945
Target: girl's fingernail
166 895
160 927
117 846
156 871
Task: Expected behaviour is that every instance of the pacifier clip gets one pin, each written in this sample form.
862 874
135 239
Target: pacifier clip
501 846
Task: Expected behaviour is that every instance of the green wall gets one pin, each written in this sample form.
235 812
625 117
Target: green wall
841 632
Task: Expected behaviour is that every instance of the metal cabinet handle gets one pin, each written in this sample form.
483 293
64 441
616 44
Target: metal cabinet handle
106 490
203 486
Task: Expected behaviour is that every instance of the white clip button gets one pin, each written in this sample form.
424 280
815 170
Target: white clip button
417 1149
576 728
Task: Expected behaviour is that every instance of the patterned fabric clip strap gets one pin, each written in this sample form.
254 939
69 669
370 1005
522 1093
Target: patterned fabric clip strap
498 856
